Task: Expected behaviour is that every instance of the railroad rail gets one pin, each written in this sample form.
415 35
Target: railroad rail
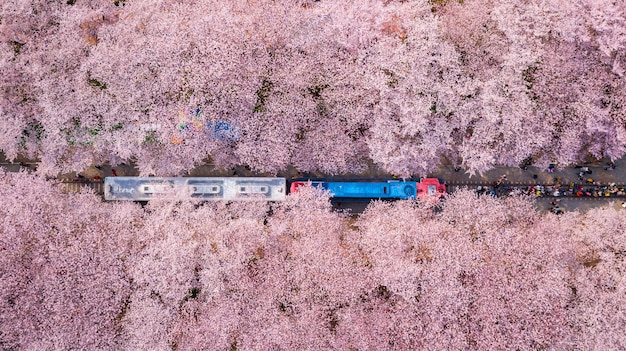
570 191
78 187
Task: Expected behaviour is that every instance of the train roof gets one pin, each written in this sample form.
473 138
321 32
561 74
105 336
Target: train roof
431 188
390 189
200 188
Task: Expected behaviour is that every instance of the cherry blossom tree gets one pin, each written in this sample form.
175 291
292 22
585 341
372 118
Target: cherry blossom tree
458 269
193 268
63 278
515 49
317 85
597 288
473 272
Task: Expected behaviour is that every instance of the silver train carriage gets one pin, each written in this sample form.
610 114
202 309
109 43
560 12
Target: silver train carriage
200 188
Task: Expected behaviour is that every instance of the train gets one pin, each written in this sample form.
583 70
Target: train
267 188
425 188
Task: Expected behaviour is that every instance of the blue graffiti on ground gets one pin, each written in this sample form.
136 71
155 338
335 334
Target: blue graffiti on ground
222 130
193 124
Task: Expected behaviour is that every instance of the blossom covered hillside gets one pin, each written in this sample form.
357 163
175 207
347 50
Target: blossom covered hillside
321 85
479 273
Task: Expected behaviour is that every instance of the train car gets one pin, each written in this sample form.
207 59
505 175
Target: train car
201 188
427 188
390 189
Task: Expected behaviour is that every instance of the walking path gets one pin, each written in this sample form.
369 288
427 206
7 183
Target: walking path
575 192
533 175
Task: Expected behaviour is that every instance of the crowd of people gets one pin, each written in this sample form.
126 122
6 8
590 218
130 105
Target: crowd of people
585 187
557 190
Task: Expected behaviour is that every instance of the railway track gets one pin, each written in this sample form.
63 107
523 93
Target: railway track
78 187
589 192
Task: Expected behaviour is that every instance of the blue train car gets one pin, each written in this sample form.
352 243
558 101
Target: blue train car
390 189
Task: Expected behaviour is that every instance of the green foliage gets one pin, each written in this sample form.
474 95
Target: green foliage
33 130
94 131
393 79
262 94
185 91
93 82
443 2
358 132
529 75
433 107
188 93
317 90
16 46
301 134
322 109
150 137
96 83
79 135
192 293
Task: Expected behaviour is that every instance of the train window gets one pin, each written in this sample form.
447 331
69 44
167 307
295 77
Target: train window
242 189
263 189
214 189
145 188
432 190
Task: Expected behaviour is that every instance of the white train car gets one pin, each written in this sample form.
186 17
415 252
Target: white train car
201 188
